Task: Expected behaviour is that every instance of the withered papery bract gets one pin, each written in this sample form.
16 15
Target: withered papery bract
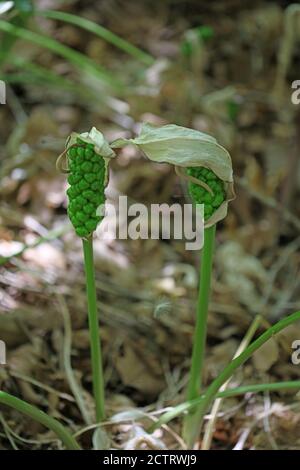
187 149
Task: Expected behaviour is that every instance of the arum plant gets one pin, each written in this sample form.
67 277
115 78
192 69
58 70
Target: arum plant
207 166
86 163
87 156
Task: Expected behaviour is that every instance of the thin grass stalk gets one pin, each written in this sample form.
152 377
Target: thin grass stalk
76 58
212 391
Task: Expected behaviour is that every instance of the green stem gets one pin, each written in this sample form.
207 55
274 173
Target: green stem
198 354
38 415
96 356
212 391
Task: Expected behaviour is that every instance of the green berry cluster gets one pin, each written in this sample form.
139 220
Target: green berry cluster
201 196
86 191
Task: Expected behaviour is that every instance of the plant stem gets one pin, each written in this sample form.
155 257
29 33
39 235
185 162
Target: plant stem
196 371
96 356
64 435
213 390
198 354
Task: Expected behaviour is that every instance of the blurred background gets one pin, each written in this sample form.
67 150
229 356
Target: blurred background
222 67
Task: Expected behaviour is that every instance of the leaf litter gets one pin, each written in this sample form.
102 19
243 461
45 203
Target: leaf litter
147 288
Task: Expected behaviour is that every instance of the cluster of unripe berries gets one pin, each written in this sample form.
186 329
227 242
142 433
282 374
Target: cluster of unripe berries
200 195
87 184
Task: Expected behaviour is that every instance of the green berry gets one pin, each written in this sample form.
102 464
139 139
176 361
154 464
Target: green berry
95 158
90 177
80 152
71 179
95 186
83 185
89 153
72 152
208 209
81 201
86 167
218 200
88 208
81 216
89 195
70 192
75 221
211 176
91 224
80 158
207 198
82 232
96 167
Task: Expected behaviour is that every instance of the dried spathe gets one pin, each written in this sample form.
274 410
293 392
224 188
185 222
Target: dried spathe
196 156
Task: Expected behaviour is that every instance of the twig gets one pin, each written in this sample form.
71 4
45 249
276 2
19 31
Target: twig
36 383
8 433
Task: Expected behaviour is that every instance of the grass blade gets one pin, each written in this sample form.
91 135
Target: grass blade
100 31
213 390
41 417
76 58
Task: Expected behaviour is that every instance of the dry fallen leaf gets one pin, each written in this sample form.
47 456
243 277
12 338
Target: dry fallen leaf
136 373
242 273
266 356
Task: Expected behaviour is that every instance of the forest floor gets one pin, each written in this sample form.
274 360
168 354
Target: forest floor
227 84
